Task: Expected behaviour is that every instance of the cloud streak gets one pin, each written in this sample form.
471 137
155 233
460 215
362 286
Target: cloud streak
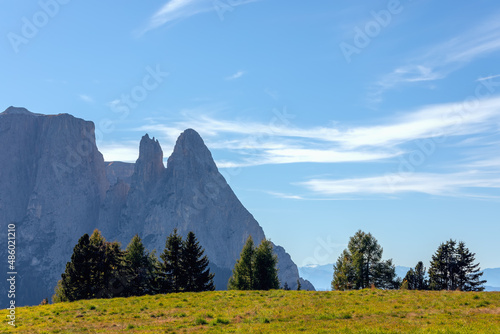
177 10
439 184
442 59
280 143
236 75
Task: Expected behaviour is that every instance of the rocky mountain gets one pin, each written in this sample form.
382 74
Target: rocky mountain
52 183
55 186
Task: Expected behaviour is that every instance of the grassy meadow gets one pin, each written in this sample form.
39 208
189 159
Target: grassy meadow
276 311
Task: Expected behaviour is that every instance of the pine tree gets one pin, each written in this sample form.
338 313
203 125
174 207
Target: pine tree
343 272
110 274
76 281
265 272
453 268
171 267
286 287
420 282
142 267
242 278
415 278
95 270
360 265
468 272
196 274
409 280
299 286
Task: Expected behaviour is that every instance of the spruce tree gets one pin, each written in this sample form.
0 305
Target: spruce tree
468 272
420 282
76 281
409 280
171 267
110 274
265 272
415 278
453 268
242 278
142 267
196 274
95 271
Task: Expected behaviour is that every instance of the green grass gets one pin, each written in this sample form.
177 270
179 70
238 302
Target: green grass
277 311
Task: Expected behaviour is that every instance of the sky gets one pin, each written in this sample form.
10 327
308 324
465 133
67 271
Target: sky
325 117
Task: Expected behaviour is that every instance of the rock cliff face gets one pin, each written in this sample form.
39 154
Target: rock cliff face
54 186
52 183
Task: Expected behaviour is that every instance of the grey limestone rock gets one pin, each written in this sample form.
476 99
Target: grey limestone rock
56 186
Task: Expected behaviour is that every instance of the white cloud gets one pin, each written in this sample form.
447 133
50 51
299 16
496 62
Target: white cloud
175 10
285 196
236 75
126 152
453 184
488 77
86 98
442 59
281 142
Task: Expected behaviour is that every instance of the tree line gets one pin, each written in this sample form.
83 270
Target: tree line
360 266
100 269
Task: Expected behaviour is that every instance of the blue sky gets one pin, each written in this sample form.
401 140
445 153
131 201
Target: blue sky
324 117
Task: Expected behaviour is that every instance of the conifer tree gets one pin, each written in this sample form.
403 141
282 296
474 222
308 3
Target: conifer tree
256 269
95 271
343 272
453 268
265 272
196 274
76 281
171 267
360 266
142 267
110 274
242 278
468 273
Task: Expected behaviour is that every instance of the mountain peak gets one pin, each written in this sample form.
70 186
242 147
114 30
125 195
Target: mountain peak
191 152
149 166
17 111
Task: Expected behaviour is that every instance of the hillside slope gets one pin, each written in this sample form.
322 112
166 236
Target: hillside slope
276 311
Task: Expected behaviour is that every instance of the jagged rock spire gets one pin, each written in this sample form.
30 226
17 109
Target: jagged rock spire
149 167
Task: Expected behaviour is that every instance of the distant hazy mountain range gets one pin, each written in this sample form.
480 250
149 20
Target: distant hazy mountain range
321 276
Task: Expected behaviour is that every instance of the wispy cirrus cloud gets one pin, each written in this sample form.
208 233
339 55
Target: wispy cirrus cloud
176 10
236 75
439 184
438 61
260 143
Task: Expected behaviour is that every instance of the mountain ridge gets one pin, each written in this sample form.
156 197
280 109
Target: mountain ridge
56 187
